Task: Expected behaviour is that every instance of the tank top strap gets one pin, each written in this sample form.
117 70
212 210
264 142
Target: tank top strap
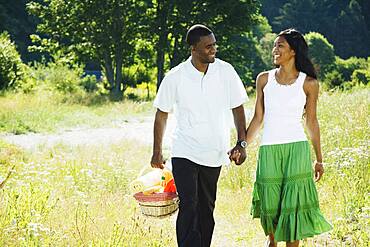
271 76
301 79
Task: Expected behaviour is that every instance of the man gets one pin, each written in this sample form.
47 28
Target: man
202 91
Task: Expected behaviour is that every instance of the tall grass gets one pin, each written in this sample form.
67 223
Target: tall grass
64 196
48 112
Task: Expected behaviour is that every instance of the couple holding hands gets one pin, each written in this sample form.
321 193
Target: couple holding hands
201 92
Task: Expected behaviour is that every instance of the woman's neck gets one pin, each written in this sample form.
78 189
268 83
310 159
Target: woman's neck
287 72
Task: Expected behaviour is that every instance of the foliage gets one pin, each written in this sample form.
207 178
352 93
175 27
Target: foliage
89 83
15 20
346 67
105 31
245 48
344 23
361 76
265 46
321 52
11 66
230 21
261 28
333 79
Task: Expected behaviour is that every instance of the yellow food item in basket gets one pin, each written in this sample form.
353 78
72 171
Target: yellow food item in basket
167 174
153 189
152 178
148 180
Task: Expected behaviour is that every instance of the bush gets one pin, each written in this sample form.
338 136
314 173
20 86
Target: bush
89 83
333 79
361 76
11 66
346 67
63 78
321 52
348 73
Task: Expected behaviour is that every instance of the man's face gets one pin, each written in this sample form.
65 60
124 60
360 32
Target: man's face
205 50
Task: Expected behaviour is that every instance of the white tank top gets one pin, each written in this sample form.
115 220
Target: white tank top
284 105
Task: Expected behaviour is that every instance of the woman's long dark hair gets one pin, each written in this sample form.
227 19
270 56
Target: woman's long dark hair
298 44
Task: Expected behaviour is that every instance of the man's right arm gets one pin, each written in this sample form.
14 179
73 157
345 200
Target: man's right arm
160 121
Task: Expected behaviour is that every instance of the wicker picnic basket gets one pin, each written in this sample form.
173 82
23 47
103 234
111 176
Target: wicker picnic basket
157 204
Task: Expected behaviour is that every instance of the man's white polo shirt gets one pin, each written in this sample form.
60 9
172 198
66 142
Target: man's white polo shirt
202 105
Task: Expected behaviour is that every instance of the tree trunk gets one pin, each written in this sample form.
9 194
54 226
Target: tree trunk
108 66
117 93
163 8
160 67
174 59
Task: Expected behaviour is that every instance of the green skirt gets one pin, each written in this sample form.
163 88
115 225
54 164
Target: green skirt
284 194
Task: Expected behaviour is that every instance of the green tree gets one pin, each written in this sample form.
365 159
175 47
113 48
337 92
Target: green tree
15 20
361 76
321 52
346 67
99 30
10 62
351 32
230 20
344 23
266 43
302 14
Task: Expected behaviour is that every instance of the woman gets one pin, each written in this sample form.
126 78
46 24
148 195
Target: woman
284 196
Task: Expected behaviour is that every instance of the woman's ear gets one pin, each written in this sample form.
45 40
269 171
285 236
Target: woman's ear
292 51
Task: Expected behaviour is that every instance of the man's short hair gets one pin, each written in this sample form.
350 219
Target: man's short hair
195 32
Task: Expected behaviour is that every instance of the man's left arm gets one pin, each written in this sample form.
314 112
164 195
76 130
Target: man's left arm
238 153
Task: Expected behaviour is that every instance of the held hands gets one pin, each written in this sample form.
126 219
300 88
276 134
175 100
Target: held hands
157 161
319 170
237 154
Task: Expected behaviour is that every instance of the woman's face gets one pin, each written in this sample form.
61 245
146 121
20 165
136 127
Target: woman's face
281 52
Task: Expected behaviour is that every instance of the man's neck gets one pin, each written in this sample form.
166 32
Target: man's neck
201 67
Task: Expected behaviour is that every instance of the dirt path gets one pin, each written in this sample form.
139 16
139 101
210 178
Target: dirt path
140 129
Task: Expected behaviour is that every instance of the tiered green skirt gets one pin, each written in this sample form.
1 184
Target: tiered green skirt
284 195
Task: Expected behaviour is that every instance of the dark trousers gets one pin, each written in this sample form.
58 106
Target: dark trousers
196 186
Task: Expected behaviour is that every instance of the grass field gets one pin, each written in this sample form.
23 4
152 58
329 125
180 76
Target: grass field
79 196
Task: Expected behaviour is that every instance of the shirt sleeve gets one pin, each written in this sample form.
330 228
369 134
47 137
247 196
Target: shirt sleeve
165 98
238 95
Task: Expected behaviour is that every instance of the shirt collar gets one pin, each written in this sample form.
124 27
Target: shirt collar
193 71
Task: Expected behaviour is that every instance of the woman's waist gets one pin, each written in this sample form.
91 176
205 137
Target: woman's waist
283 130
283 116
269 138
283 122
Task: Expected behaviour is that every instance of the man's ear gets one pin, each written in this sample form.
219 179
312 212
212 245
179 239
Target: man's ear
192 48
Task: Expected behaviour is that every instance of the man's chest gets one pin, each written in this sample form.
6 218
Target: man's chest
208 91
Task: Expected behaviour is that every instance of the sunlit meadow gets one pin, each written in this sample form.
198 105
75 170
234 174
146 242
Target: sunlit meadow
79 196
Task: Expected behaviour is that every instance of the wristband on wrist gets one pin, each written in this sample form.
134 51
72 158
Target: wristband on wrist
320 163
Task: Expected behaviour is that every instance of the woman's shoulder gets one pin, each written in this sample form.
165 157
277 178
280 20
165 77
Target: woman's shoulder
310 84
262 78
